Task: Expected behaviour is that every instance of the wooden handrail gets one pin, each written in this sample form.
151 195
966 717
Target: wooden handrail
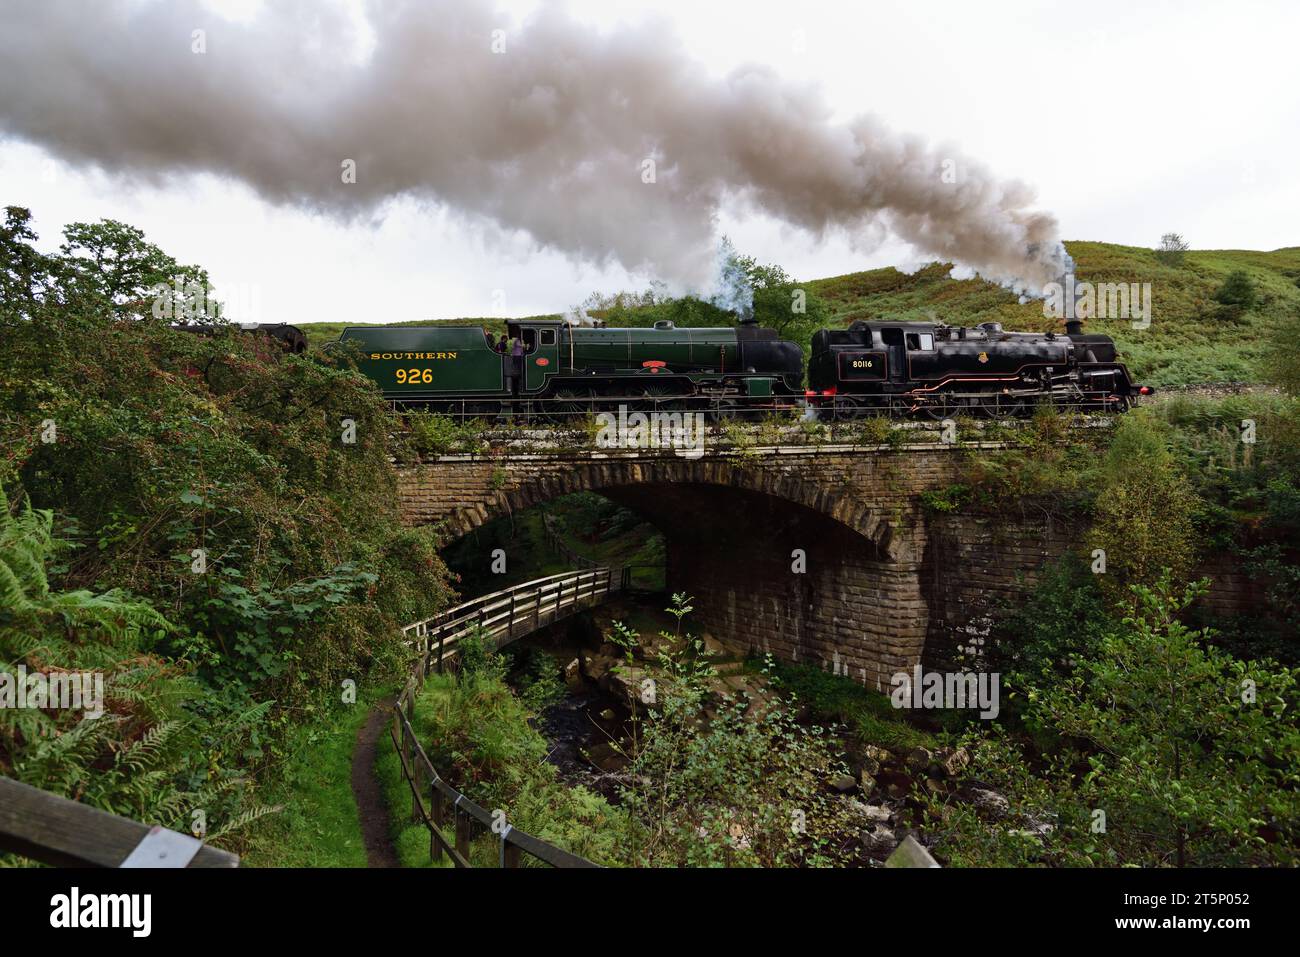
501 616
561 547
54 830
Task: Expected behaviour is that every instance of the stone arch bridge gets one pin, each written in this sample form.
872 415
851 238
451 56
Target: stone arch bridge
822 554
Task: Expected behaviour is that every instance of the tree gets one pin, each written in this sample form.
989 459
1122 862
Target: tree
1236 296
1144 509
25 273
726 783
1171 249
1155 749
1188 750
114 262
781 303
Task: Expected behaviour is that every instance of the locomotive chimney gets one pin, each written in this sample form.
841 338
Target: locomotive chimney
1074 327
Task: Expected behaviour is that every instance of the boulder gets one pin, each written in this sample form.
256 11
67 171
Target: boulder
879 840
896 784
625 681
874 758
879 755
844 783
573 675
910 853
605 757
953 762
874 813
596 667
919 759
990 802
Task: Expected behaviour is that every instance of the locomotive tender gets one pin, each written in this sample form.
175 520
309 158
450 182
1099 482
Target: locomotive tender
578 368
871 368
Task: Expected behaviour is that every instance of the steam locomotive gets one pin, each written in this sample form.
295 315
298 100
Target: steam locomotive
938 370
871 368
575 369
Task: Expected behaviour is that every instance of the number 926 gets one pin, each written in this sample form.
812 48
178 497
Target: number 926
414 376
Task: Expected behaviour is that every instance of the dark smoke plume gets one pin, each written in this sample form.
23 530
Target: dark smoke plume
549 136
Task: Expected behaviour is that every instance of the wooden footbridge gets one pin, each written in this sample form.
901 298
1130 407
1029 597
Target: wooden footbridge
496 620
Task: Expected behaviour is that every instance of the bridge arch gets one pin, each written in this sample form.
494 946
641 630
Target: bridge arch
838 502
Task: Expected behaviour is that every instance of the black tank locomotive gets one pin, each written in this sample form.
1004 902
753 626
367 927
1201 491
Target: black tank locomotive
926 368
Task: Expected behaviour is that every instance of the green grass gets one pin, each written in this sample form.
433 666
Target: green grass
1186 343
318 826
868 714
410 838
479 735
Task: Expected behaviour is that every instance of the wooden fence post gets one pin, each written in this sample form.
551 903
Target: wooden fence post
463 824
510 856
435 812
415 790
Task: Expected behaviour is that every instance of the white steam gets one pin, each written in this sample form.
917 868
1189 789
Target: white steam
551 135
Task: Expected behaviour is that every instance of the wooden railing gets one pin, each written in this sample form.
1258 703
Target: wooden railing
497 619
558 545
631 573
54 830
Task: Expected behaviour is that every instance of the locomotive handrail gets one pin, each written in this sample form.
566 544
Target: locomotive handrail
499 617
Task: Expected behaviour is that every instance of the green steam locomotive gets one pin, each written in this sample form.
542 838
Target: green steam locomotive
572 369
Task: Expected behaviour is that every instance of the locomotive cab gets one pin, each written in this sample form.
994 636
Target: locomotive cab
541 358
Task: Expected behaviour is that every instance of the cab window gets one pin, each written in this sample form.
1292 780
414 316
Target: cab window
548 337
920 341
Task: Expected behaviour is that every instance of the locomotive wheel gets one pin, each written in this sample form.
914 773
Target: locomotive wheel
939 410
723 410
999 406
570 402
654 396
847 408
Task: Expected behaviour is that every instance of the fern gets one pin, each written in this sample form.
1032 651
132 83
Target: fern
144 758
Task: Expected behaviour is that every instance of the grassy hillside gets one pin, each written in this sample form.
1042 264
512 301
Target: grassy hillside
1187 341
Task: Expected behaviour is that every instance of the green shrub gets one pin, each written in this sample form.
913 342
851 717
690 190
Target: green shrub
242 492
1143 520
1237 295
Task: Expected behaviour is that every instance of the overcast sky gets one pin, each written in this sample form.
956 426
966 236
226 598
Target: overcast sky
1130 119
